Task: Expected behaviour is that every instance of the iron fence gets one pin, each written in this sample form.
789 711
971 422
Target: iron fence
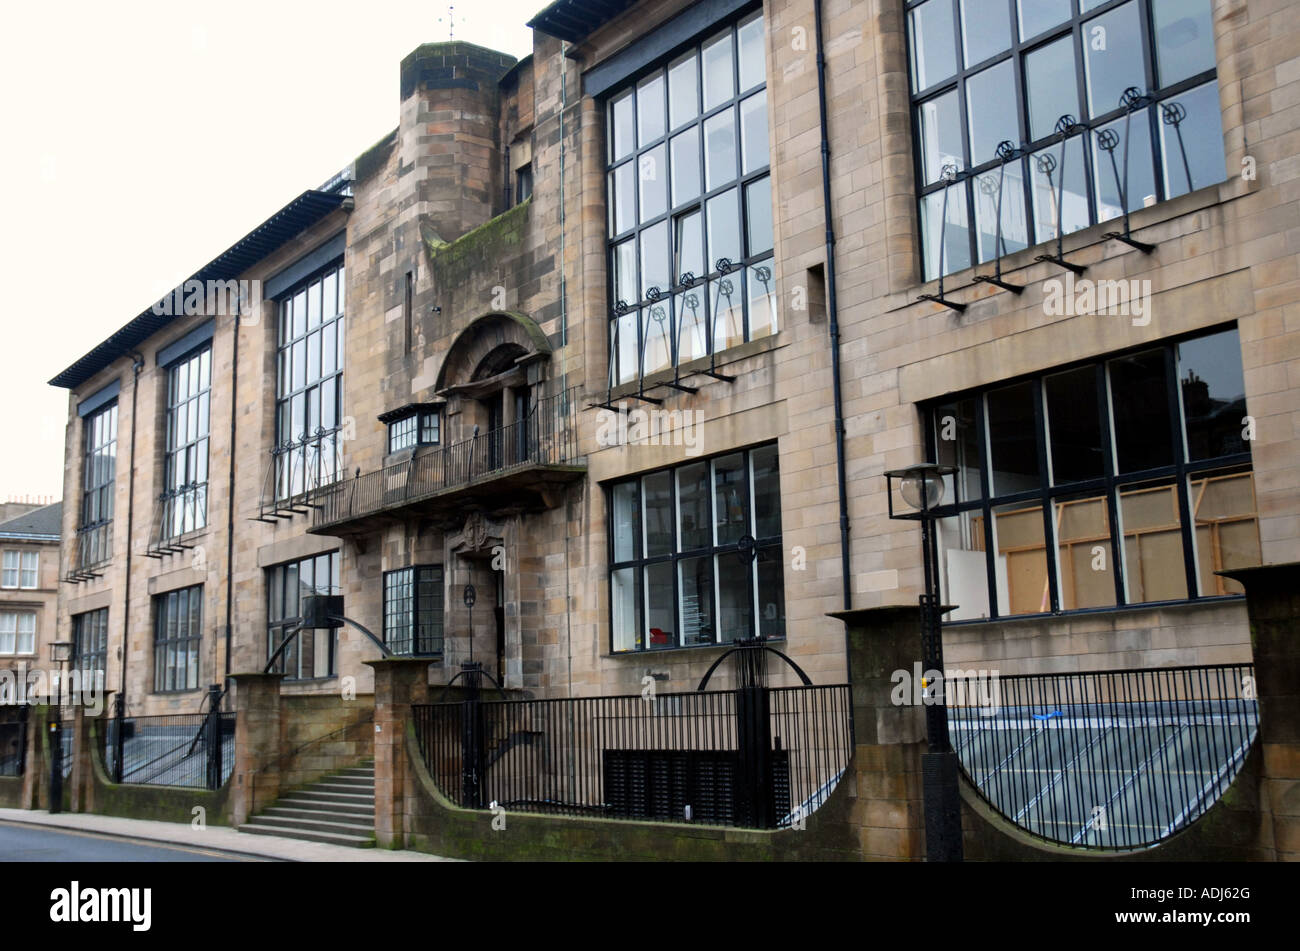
196 750
13 741
546 436
710 757
1116 759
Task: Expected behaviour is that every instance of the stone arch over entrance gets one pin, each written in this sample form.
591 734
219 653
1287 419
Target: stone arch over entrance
492 377
492 344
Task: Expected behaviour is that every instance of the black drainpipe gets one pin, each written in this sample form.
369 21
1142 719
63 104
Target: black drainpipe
136 367
832 311
230 501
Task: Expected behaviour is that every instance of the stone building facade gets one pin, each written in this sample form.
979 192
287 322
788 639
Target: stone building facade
29 587
579 335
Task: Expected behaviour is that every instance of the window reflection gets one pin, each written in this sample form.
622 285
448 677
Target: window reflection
1109 516
1191 139
1184 35
1013 446
1140 395
1213 391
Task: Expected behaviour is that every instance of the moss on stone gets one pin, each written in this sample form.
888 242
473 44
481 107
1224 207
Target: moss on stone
453 262
373 158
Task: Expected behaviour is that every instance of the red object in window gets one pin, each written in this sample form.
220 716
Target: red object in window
660 637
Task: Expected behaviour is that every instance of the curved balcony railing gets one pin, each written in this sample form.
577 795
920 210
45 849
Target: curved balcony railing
546 436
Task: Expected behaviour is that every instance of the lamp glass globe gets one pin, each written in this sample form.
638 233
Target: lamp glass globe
922 488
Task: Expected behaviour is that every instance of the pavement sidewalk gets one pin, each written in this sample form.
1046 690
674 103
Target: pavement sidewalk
221 838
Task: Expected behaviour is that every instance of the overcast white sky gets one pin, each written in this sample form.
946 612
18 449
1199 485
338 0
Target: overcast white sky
141 139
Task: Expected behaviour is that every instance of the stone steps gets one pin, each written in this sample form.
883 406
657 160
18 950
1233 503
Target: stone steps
337 810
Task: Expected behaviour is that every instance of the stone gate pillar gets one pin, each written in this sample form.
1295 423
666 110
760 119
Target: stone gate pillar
256 779
889 736
400 683
1273 603
36 769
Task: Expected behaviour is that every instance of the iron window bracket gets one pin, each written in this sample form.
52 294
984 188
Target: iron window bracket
1006 152
1066 126
1131 100
949 175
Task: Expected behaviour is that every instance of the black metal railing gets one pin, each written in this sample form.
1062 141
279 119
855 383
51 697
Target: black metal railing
176 512
67 734
13 740
672 757
1116 759
196 750
91 549
300 471
546 436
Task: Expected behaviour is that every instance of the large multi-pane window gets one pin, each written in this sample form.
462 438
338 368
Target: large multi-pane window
178 635
99 466
690 206
90 642
185 471
984 72
21 569
309 384
1115 482
312 654
17 632
413 602
695 553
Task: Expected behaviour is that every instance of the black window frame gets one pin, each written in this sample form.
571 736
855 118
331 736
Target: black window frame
407 583
90 641
523 183
967 176
1108 485
306 451
191 612
761 264
98 481
414 429
765 547
184 499
279 622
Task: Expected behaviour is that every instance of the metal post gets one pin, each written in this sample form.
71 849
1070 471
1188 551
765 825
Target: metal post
471 739
939 768
119 736
214 736
56 763
755 796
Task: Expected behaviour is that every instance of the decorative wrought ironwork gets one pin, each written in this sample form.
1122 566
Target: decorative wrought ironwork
949 175
1066 126
1132 99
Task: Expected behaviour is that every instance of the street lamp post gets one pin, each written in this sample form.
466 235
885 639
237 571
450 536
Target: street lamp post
61 654
922 489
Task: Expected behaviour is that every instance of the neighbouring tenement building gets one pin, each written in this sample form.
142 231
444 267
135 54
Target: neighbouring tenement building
29 586
625 334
